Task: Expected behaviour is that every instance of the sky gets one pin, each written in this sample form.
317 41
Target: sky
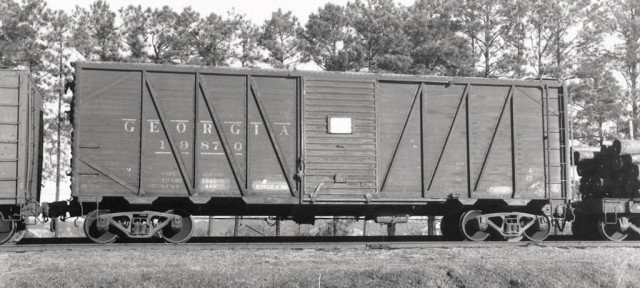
256 10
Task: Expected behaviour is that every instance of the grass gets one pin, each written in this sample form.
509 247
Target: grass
486 267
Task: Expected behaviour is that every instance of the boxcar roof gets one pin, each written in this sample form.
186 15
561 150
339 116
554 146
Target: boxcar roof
96 65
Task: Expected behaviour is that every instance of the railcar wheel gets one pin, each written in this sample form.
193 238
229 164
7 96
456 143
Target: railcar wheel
470 228
95 234
7 229
173 234
611 232
540 230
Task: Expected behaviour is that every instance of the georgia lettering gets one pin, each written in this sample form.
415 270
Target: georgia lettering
180 129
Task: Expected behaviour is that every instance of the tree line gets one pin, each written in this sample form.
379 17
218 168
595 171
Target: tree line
590 44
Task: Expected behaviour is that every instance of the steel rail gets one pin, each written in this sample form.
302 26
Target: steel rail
358 245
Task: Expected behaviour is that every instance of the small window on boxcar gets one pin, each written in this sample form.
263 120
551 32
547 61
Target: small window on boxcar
339 125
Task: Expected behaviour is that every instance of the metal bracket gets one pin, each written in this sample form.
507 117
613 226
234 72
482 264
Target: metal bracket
315 192
615 218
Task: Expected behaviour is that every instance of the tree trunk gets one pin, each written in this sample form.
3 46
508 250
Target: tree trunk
473 57
60 94
600 132
558 55
540 73
634 104
487 65
632 51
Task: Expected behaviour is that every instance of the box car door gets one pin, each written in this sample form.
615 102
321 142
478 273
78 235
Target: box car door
339 139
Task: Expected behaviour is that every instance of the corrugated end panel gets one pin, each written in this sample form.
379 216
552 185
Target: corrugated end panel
9 130
345 164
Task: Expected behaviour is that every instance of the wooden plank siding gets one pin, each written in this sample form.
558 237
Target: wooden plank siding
340 166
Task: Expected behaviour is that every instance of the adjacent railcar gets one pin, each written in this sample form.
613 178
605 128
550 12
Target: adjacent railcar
153 145
20 151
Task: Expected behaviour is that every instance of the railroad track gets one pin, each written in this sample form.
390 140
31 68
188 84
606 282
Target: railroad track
225 243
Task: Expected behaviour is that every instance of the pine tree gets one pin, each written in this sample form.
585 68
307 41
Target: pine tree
281 37
597 99
57 126
134 29
161 34
514 58
247 43
621 19
184 36
487 25
378 27
95 35
570 16
436 46
329 43
21 27
556 28
214 39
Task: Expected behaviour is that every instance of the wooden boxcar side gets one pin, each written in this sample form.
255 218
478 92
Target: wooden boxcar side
487 154
148 131
20 139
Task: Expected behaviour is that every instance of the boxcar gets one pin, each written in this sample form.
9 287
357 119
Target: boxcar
20 150
153 145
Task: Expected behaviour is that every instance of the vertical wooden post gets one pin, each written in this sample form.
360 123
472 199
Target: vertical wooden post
391 229
236 226
431 220
210 229
364 228
335 225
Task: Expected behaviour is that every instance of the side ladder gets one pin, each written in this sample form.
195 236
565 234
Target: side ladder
555 141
